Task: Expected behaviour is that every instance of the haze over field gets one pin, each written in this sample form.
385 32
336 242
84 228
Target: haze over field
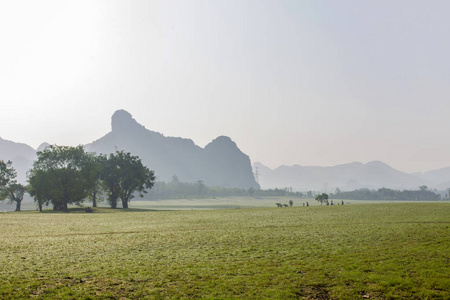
291 82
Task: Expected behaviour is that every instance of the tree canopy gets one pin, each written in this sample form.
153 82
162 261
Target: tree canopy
60 176
124 175
322 197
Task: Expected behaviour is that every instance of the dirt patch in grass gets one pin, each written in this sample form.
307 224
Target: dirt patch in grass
316 292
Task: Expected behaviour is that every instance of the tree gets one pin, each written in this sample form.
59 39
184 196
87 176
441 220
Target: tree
124 175
251 191
321 198
59 176
14 193
423 188
38 187
9 188
201 187
175 179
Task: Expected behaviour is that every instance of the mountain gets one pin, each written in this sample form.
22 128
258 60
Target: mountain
440 178
20 154
350 176
220 163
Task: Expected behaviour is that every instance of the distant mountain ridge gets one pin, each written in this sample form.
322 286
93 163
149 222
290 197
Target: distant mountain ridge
373 175
220 163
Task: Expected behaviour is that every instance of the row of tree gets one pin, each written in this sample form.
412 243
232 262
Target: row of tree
175 189
387 194
64 175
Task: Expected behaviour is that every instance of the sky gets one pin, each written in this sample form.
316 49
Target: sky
313 83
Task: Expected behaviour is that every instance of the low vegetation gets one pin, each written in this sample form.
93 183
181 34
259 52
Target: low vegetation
175 189
423 194
372 251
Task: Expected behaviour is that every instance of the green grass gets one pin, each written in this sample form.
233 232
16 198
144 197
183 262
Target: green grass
372 251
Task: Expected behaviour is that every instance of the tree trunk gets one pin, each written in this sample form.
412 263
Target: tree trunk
56 205
124 203
18 203
94 200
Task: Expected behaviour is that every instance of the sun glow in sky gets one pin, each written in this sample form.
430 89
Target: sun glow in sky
291 82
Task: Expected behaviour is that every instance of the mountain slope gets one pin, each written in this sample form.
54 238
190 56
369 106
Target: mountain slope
220 163
440 178
20 154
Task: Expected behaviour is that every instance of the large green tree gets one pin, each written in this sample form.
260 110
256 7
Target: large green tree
60 176
14 193
124 175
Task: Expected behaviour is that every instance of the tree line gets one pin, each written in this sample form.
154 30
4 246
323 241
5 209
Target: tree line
387 194
64 175
175 189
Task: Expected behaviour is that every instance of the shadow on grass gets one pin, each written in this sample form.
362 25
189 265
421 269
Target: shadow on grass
95 210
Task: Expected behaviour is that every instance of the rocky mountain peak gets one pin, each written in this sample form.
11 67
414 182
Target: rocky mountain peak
122 121
221 142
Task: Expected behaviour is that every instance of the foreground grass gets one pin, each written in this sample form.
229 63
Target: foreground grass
380 251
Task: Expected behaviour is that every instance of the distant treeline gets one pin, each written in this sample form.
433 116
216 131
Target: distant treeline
185 190
176 189
387 194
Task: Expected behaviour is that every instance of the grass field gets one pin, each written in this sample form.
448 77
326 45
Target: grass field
372 251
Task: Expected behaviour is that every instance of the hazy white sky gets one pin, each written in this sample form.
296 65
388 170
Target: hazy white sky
291 82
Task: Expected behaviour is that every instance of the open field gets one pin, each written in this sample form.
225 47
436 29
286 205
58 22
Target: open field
373 251
187 204
246 202
209 203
